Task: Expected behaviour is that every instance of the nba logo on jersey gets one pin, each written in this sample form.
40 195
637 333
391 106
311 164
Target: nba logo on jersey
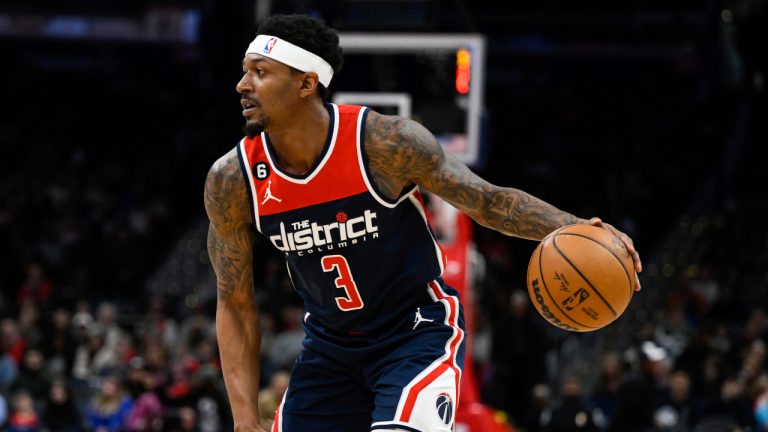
270 44
444 406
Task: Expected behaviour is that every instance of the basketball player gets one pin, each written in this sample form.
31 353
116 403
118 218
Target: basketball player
336 189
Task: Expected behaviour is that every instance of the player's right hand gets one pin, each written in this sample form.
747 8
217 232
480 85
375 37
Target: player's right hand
627 242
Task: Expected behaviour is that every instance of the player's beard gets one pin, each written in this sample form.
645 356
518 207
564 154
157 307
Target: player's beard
253 128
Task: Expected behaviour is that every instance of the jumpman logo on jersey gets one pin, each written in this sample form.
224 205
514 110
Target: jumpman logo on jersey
419 319
268 195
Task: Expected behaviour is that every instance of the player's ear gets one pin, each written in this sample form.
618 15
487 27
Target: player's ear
309 83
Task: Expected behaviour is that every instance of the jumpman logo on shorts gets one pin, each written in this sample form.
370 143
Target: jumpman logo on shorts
268 195
419 318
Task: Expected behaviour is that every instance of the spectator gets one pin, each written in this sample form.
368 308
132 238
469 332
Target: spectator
755 329
706 287
609 381
106 316
3 410
518 345
82 316
571 412
8 371
752 366
36 287
761 408
197 327
288 343
156 360
147 412
61 346
210 415
540 412
13 344
23 418
81 322
684 298
109 409
674 332
157 326
676 412
188 420
639 393
271 396
124 351
93 357
733 404
268 334
29 324
60 413
32 376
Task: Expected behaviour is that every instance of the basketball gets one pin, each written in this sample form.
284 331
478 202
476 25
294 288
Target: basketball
581 277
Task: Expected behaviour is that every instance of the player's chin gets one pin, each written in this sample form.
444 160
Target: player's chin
253 128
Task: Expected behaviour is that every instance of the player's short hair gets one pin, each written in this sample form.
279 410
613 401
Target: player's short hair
309 33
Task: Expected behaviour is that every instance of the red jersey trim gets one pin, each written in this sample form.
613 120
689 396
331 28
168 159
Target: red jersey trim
334 112
440 366
364 169
334 177
245 166
417 202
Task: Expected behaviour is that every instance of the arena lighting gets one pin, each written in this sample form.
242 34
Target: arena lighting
463 70
156 25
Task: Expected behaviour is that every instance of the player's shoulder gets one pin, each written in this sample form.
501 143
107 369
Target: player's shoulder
399 147
386 131
396 133
225 169
380 128
225 180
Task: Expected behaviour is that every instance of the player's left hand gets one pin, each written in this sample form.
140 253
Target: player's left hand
628 242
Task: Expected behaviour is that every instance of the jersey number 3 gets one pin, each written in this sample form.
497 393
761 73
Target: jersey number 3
345 281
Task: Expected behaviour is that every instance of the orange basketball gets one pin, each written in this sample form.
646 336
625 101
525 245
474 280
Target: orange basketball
581 277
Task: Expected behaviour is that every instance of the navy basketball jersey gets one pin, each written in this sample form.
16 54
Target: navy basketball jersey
357 258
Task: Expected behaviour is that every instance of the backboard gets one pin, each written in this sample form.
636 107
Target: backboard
436 79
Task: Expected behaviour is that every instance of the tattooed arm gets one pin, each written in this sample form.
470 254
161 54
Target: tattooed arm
237 321
401 151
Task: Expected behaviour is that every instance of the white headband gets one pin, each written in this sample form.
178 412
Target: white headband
292 55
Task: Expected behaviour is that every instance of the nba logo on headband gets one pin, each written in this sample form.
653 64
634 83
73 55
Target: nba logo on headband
291 55
270 44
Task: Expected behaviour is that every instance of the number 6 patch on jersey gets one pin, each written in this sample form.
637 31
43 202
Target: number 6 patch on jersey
261 170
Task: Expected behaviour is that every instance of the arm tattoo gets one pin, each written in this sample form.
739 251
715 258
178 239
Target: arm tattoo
401 151
229 240
392 160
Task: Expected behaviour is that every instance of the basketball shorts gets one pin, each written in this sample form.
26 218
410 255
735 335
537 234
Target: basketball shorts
404 379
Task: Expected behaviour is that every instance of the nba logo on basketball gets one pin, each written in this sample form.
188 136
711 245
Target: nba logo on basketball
444 406
270 44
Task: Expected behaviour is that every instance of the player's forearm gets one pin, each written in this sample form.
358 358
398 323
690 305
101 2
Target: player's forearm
239 338
518 213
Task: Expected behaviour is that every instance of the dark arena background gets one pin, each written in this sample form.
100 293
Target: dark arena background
650 114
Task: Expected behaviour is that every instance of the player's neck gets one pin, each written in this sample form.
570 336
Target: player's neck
298 143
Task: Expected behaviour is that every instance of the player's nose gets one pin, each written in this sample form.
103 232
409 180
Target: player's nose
243 86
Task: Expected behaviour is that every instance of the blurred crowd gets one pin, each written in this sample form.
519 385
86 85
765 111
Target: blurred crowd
696 360
696 363
86 369
94 368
